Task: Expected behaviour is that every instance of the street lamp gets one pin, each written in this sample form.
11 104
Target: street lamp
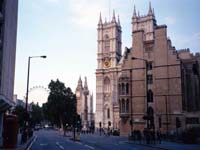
24 134
29 58
135 58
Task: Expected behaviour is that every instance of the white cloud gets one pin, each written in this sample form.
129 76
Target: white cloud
53 1
169 20
85 12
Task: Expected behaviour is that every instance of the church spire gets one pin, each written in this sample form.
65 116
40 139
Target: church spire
118 21
85 84
113 18
134 12
100 20
79 86
150 9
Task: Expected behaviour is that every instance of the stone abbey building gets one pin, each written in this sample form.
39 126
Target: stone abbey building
151 77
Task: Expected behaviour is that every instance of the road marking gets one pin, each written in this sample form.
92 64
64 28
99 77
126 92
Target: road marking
43 144
32 143
89 146
60 146
122 142
79 143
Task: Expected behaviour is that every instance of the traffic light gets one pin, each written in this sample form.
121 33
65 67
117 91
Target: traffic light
160 122
131 122
178 122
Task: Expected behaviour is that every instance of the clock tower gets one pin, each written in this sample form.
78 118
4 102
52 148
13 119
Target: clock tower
108 57
109 43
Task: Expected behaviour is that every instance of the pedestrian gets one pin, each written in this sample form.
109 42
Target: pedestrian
159 136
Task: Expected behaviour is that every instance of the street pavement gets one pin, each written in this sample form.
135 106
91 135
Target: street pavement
54 140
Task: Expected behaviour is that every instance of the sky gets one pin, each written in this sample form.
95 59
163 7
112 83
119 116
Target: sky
66 32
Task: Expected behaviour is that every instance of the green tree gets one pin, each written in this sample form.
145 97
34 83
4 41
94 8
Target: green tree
61 105
20 112
36 114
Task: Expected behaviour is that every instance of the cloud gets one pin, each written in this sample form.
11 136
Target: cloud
85 12
53 1
169 20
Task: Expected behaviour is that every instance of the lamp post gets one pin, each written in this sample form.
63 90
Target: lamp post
29 58
24 134
135 58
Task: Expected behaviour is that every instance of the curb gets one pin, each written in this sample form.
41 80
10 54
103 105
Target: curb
148 145
29 143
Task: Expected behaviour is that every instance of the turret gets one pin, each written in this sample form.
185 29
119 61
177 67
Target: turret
113 18
150 12
100 20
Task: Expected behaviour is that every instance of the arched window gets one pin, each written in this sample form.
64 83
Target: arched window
127 105
107 43
149 96
123 89
123 106
127 88
119 89
108 113
107 85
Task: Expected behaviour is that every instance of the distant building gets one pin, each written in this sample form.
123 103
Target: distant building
85 104
8 32
151 85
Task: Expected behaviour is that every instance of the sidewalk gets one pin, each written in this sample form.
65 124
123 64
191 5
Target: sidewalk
170 145
19 145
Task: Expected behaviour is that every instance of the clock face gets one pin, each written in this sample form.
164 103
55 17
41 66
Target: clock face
78 94
107 62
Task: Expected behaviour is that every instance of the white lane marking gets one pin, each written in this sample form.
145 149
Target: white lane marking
122 142
60 146
43 144
32 143
79 143
89 146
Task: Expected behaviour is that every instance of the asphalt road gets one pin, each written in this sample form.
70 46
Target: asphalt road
54 140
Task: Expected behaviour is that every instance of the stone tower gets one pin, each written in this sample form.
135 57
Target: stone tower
108 56
85 104
79 94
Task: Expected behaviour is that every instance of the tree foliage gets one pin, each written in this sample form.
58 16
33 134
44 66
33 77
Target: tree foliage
61 105
36 114
20 112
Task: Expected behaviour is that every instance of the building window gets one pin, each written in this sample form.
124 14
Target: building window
123 106
108 113
149 96
127 88
149 65
1 6
107 43
149 79
192 120
123 89
127 105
